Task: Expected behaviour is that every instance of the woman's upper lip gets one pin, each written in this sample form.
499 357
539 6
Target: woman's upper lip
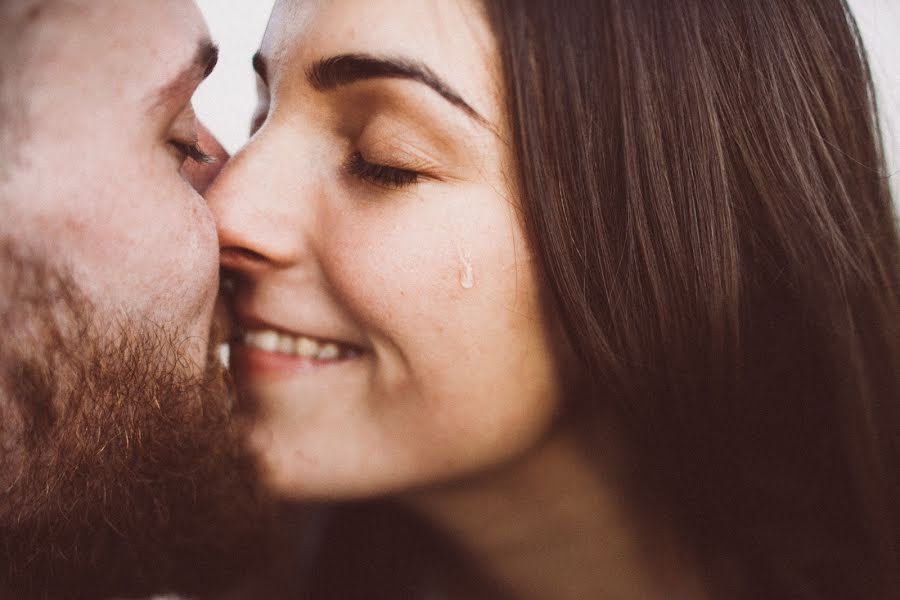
246 320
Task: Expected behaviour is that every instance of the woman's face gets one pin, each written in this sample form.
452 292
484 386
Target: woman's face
392 334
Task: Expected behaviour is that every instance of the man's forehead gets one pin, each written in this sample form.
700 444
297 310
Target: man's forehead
173 13
162 27
125 45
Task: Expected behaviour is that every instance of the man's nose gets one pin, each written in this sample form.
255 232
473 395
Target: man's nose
201 175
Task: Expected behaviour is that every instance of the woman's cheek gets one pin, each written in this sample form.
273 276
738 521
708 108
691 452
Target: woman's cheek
406 265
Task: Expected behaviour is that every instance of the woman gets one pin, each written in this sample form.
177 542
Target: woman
604 294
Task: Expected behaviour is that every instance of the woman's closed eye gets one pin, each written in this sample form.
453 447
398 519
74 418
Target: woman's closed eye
381 175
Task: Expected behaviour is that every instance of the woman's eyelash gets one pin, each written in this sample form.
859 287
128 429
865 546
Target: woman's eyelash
192 151
383 175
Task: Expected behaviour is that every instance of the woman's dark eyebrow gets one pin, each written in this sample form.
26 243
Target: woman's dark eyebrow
345 69
259 65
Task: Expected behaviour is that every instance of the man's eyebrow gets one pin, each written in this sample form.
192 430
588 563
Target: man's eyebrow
203 63
345 69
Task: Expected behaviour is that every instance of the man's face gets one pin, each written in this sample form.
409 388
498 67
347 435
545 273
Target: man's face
121 471
97 176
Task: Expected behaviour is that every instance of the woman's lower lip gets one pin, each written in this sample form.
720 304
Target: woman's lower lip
249 361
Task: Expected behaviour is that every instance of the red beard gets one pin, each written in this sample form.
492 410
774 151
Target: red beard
121 473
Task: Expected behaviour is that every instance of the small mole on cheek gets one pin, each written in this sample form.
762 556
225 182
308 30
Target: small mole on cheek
466 270
35 12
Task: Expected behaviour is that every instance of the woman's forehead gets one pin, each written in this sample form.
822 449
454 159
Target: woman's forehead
452 38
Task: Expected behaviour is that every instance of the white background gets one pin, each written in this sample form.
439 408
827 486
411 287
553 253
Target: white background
226 101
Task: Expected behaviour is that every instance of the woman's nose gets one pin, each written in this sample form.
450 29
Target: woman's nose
262 220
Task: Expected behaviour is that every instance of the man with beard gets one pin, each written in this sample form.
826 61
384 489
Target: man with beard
121 471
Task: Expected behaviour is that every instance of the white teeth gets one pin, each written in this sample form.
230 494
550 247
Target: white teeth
329 352
306 347
224 352
285 344
266 340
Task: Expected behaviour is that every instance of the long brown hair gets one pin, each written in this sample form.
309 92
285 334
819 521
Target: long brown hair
703 185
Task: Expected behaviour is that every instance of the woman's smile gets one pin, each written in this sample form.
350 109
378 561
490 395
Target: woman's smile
261 351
